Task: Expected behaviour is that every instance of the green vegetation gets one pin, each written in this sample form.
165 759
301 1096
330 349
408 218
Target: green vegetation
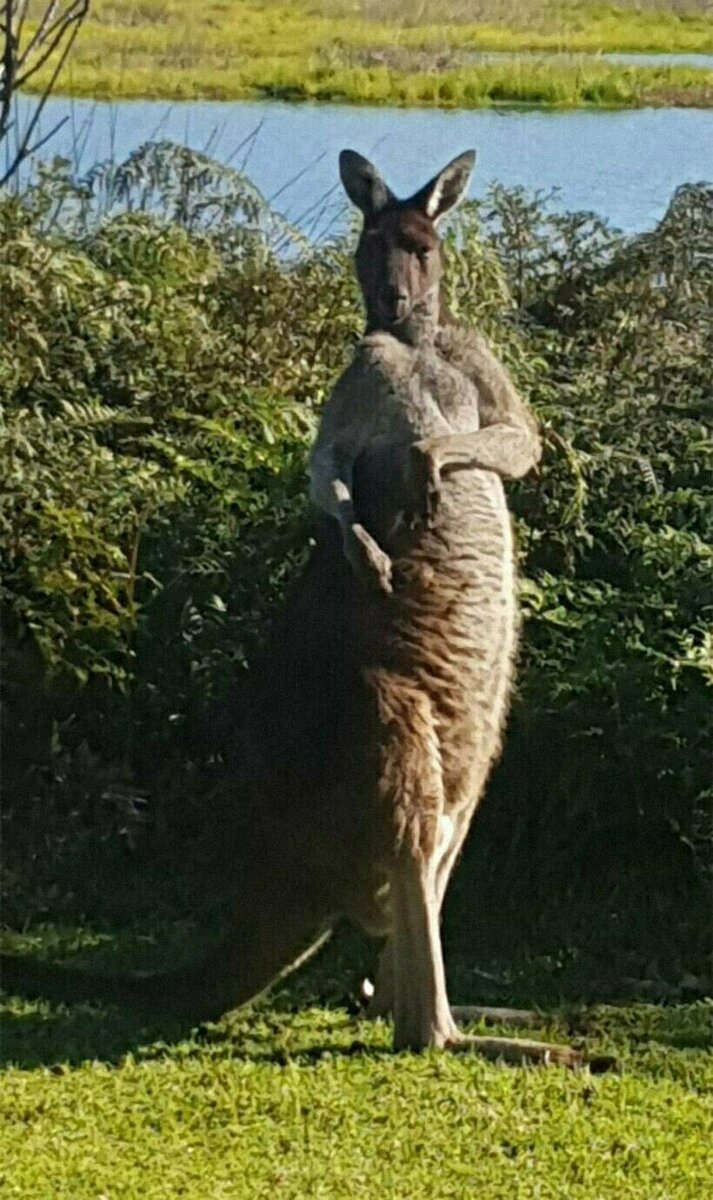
568 18
178 49
165 344
248 1109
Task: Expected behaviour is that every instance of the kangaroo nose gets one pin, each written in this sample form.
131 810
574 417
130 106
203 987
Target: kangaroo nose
396 301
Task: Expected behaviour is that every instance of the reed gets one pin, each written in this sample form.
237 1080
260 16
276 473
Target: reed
514 13
178 49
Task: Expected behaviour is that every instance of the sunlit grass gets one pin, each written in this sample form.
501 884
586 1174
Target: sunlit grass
633 25
297 1097
516 14
235 49
310 1103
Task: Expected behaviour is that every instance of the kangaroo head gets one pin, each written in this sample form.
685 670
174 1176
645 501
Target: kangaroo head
399 260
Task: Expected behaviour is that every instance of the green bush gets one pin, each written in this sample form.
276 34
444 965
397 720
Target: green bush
166 343
610 744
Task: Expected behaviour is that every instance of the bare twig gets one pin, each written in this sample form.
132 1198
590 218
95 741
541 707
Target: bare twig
49 39
8 69
20 14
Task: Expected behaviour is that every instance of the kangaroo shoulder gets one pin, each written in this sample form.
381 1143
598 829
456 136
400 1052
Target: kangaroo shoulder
352 398
460 343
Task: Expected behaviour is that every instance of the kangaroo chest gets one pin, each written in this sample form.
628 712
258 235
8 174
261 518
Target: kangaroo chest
416 393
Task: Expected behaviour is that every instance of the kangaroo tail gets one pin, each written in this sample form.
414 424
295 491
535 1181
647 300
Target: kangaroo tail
243 964
171 991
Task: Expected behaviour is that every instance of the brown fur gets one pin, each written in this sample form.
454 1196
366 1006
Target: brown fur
379 703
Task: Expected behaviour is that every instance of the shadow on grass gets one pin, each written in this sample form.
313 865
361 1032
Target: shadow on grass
61 1036
313 1020
39 1033
565 964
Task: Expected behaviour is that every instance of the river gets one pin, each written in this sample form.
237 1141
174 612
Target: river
623 165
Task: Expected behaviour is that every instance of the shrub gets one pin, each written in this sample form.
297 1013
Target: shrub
161 368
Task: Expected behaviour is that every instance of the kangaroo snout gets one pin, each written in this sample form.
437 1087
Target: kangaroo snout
394 304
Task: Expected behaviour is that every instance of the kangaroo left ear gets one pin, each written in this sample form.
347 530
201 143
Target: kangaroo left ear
447 188
363 183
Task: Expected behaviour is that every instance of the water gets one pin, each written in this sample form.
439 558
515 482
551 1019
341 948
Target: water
698 62
623 165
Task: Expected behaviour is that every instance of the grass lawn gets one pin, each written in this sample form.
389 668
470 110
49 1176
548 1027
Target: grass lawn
230 49
313 1104
298 1097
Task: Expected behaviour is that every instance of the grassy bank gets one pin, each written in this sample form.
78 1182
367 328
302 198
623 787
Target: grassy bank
299 1097
177 49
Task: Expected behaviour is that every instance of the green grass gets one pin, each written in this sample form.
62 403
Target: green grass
524 16
239 50
298 1097
312 1103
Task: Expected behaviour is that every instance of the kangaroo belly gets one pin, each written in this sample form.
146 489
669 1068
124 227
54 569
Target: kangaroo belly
458 613
451 625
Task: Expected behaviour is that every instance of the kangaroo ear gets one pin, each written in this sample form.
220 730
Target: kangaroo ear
447 189
363 183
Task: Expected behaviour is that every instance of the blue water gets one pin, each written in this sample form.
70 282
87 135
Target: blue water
622 165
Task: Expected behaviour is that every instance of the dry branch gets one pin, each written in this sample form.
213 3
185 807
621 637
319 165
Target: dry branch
28 42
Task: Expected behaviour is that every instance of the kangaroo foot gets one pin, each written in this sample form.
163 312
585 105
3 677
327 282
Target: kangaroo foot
464 1014
545 1054
520 1050
513 1050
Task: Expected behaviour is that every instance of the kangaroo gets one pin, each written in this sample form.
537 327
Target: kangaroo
378 704
405 418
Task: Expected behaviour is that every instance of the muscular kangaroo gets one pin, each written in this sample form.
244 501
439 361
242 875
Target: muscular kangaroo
379 702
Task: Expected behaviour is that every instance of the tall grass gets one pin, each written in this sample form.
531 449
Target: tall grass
177 49
517 14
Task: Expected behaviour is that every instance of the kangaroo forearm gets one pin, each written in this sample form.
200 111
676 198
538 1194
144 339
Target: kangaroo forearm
499 401
504 449
331 489
509 450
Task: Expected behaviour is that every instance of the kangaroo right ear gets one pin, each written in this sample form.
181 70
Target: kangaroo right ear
447 188
363 183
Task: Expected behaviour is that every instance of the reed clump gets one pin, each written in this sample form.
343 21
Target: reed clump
176 49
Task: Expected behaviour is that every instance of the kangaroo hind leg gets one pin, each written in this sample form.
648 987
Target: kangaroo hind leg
422 1014
412 800
380 996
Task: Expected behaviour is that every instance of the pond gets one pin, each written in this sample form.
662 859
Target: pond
698 62
623 165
